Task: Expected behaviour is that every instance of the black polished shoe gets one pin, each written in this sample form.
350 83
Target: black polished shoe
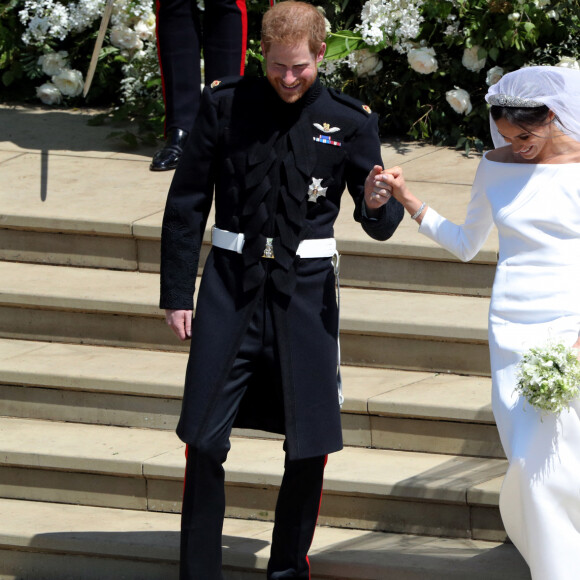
168 157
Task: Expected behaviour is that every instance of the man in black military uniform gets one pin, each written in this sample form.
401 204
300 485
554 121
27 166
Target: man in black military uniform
182 31
278 151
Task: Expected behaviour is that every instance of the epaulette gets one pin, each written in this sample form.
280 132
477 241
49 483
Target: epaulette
350 101
225 82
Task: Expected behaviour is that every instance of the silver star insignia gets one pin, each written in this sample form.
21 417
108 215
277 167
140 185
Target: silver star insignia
315 190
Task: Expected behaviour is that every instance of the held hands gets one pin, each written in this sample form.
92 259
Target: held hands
377 193
180 322
392 181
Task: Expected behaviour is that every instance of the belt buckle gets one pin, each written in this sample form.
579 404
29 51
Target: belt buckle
268 249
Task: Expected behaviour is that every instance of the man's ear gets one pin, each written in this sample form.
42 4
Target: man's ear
262 45
321 52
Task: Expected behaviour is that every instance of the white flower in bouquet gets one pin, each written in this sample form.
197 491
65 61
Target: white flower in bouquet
383 20
549 377
494 75
83 13
49 94
53 62
364 62
569 62
459 100
69 82
422 60
125 38
44 19
471 60
144 29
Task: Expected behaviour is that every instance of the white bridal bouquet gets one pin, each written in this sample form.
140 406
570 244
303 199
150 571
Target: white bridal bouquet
549 377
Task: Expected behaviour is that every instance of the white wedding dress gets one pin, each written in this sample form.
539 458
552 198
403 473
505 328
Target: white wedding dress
536 297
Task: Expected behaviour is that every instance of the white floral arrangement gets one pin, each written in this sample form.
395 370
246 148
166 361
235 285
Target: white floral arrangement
549 377
132 32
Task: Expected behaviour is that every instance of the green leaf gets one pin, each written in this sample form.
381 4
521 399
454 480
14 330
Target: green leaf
342 43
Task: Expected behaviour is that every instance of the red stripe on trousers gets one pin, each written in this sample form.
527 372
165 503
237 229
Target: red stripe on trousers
241 4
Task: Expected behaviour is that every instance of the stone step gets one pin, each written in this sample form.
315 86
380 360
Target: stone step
402 266
65 542
142 469
379 328
103 209
383 408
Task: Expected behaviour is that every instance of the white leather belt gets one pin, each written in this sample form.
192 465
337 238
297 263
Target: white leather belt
321 248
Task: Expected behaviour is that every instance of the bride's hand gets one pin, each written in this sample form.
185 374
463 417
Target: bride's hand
395 180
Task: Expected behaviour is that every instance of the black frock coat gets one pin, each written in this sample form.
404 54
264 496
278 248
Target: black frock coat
265 159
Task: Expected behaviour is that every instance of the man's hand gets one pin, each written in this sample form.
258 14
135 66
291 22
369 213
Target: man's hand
377 193
180 322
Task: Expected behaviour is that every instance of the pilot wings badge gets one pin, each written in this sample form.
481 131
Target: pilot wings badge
326 128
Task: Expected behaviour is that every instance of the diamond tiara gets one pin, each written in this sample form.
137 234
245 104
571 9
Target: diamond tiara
508 101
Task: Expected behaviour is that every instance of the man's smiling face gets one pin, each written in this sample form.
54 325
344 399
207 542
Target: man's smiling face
291 69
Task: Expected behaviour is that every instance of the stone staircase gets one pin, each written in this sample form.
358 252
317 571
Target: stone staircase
91 378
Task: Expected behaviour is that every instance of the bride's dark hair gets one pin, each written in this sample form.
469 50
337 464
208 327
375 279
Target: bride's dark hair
524 117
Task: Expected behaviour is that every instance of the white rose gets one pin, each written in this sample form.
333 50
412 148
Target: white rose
569 62
471 60
125 38
459 100
514 16
144 30
69 82
367 64
49 94
53 62
422 60
493 75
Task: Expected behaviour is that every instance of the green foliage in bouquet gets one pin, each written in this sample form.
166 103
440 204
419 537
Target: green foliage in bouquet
549 377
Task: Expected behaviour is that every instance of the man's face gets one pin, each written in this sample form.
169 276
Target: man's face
291 70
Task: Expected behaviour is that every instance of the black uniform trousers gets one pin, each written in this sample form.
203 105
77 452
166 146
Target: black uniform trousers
221 30
204 499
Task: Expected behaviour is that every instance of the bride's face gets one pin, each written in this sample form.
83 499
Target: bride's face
533 144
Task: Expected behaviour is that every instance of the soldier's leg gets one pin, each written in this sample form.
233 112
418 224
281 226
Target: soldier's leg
225 32
295 520
179 46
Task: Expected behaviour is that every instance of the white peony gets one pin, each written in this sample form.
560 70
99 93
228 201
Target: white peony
49 94
459 101
493 75
69 82
144 29
368 63
569 62
471 59
53 62
125 38
364 62
422 60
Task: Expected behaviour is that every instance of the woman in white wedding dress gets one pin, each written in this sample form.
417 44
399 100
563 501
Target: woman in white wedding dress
529 187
